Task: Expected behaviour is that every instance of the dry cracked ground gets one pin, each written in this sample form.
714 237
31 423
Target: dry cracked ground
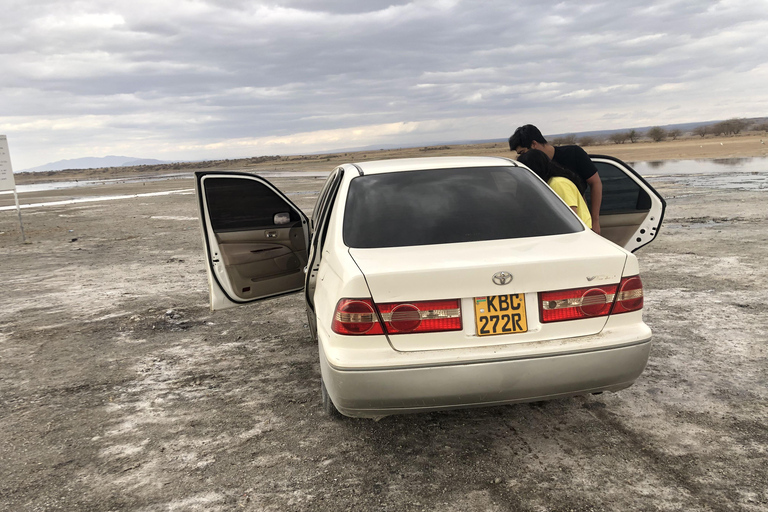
119 390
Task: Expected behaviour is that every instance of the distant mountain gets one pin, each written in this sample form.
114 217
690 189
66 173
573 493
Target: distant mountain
95 163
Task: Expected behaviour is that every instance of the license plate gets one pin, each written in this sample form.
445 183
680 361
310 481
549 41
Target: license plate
500 314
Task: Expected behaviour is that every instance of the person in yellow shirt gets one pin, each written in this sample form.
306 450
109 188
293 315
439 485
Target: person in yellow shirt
561 180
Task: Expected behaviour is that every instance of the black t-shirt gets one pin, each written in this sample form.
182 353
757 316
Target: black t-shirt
575 159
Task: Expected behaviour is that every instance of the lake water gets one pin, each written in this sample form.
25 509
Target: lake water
729 173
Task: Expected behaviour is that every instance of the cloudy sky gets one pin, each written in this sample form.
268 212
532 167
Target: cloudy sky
206 79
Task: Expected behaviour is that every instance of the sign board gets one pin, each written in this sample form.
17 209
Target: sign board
6 171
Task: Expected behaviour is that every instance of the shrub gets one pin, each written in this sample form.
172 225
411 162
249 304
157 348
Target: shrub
657 134
701 131
564 140
619 138
729 127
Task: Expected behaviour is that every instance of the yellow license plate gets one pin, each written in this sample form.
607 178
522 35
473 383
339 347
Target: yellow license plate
500 314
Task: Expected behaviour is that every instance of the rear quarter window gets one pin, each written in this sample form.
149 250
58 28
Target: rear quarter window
443 206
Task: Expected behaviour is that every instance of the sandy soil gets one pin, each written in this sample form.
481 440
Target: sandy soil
119 390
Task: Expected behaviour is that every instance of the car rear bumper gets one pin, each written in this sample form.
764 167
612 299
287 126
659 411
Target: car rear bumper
381 392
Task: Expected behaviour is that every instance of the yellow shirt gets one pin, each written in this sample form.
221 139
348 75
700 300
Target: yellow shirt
570 194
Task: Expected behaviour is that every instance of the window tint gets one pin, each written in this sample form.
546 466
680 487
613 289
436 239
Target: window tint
452 205
241 203
620 193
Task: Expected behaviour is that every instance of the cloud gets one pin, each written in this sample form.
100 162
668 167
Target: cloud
163 79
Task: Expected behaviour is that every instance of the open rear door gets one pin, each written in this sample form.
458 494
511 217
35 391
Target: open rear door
631 211
256 240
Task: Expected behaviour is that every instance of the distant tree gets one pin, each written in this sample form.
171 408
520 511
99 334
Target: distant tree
657 134
587 140
729 127
701 131
565 140
633 136
718 129
619 137
737 125
761 127
674 133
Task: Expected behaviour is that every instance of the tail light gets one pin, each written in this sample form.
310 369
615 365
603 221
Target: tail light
592 302
356 316
423 316
574 304
630 297
360 316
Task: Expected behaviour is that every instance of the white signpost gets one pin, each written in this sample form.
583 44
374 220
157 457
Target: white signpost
6 178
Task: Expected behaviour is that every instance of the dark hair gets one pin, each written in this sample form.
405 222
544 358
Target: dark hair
524 137
539 162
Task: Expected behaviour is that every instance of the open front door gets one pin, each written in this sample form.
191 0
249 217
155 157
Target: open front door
631 211
256 240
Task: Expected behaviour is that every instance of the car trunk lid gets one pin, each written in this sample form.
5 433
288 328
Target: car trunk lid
466 271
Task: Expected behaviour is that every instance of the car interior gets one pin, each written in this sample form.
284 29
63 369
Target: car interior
275 252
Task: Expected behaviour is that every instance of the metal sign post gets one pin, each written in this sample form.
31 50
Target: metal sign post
6 179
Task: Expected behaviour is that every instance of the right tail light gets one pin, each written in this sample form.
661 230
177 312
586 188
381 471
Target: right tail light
630 296
592 302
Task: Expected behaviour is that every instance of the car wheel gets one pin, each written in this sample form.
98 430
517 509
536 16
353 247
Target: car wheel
328 407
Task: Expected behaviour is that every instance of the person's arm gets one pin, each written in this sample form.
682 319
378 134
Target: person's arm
596 199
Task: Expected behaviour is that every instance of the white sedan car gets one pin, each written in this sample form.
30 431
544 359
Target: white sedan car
439 283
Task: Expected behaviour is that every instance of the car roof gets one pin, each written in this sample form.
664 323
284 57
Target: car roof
442 162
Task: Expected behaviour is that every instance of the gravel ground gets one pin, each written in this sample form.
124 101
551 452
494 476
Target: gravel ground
119 390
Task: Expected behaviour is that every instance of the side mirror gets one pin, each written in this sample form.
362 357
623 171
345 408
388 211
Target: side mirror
281 218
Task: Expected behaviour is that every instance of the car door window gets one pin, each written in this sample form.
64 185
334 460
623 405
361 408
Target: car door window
236 204
621 194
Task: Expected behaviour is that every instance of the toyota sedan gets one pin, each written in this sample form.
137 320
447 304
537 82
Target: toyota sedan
440 283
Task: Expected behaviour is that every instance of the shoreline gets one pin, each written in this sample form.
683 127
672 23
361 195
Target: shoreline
742 146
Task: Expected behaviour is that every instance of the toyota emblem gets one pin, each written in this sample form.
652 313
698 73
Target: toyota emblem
502 278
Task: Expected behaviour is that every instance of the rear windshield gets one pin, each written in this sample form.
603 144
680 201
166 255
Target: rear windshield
445 206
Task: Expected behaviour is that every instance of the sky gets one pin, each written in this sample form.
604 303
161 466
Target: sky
214 79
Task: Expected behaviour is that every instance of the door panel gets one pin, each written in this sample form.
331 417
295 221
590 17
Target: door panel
632 211
620 228
255 238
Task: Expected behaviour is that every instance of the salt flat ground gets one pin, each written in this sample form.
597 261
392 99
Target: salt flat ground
119 390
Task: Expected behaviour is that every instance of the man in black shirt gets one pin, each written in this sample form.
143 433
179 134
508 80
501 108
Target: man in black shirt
571 157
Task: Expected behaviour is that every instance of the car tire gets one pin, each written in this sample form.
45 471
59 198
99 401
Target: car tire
328 407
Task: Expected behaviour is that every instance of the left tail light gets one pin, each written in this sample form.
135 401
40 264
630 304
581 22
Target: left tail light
361 316
356 316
